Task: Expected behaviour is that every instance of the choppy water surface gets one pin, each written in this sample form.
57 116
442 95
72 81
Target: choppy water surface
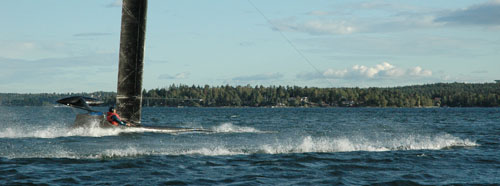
253 146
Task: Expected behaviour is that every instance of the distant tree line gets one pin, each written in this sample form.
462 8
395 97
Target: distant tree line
440 94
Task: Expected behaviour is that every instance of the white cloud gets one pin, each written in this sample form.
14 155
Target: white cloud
384 70
370 72
182 75
259 77
418 71
91 34
17 49
246 43
328 27
316 27
39 50
392 17
116 3
335 73
480 71
319 13
28 45
82 73
353 24
388 6
388 17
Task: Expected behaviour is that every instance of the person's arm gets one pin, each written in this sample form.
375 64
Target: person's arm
117 120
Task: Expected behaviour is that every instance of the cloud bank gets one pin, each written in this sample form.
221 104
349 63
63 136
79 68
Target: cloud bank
384 70
389 17
487 14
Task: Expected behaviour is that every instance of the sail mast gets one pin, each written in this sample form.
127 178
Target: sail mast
132 38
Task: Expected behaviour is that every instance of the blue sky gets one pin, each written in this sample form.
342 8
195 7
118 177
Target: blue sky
72 46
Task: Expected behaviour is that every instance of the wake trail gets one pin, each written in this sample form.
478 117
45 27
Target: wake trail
231 128
57 131
305 144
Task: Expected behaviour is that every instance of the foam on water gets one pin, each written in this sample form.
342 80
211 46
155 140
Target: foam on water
310 144
138 151
216 151
53 153
306 144
116 153
230 128
343 144
56 131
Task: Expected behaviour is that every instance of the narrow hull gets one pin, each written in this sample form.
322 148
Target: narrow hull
90 120
98 119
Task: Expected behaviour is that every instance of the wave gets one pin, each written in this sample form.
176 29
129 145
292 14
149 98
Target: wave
129 152
138 151
135 151
343 144
230 128
305 144
93 130
56 131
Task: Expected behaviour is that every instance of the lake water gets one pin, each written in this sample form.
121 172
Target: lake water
255 146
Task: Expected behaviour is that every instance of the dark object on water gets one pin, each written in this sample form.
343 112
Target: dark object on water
98 119
92 119
80 102
132 38
84 103
95 119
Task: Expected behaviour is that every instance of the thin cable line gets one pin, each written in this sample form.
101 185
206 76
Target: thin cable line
290 43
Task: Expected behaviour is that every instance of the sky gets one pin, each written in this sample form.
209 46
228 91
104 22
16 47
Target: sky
60 46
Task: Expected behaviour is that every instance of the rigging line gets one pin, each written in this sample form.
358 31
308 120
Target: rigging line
290 43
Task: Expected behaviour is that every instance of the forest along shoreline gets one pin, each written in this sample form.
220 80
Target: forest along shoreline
429 95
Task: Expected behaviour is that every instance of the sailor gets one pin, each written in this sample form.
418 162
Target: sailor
114 118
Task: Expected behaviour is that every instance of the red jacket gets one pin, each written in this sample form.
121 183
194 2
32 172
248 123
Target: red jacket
109 117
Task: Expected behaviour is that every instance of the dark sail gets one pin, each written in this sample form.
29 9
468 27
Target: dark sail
133 35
